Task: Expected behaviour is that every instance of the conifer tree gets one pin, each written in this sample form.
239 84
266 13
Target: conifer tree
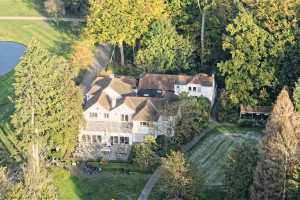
278 151
48 104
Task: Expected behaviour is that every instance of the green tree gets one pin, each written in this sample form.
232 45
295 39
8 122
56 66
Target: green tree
257 40
162 49
180 179
247 73
194 116
278 152
121 21
239 171
296 95
294 183
144 154
204 28
36 184
48 104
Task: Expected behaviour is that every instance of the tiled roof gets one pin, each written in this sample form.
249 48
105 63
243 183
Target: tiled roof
120 87
104 101
166 82
134 102
255 109
147 113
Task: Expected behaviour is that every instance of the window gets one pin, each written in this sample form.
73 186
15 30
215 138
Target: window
83 138
147 124
158 91
88 138
106 115
122 140
93 114
116 140
199 89
126 140
194 89
94 140
99 139
125 118
190 88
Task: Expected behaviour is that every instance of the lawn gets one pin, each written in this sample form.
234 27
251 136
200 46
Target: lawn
210 156
57 39
106 186
18 8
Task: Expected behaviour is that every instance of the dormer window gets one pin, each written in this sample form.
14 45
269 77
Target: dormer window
124 118
93 115
190 88
145 124
194 89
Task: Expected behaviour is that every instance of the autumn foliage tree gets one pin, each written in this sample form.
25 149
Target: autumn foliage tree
277 152
180 180
120 22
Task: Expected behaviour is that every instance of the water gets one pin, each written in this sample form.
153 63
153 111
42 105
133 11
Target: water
10 54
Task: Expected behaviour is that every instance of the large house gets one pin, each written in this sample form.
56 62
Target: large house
119 111
115 116
159 85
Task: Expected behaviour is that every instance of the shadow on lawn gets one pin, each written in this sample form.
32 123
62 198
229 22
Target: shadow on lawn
73 30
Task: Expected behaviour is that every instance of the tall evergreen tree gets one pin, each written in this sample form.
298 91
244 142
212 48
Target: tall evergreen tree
278 150
48 104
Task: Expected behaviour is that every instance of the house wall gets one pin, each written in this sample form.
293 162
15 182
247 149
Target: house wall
105 137
99 110
196 90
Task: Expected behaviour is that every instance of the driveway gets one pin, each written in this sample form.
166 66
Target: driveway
102 58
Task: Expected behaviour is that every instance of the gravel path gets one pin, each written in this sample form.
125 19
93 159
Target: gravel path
67 19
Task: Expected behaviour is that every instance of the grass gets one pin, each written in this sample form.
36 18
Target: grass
18 8
105 186
57 39
210 156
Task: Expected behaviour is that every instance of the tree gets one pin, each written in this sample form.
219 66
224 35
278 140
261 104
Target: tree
180 179
294 183
239 171
194 116
144 154
48 111
206 25
4 183
82 56
296 95
55 8
247 73
118 22
257 40
162 49
278 151
34 185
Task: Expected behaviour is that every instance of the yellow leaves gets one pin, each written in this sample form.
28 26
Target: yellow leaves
82 54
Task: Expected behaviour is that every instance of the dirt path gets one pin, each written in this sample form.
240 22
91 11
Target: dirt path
158 172
22 18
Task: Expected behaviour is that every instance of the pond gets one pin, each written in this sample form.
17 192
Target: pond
10 54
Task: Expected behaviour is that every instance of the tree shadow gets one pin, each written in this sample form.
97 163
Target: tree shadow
38 5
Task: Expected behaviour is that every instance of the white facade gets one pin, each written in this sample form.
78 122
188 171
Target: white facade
197 90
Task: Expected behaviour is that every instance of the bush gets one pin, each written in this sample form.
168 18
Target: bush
226 110
144 156
194 116
124 70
